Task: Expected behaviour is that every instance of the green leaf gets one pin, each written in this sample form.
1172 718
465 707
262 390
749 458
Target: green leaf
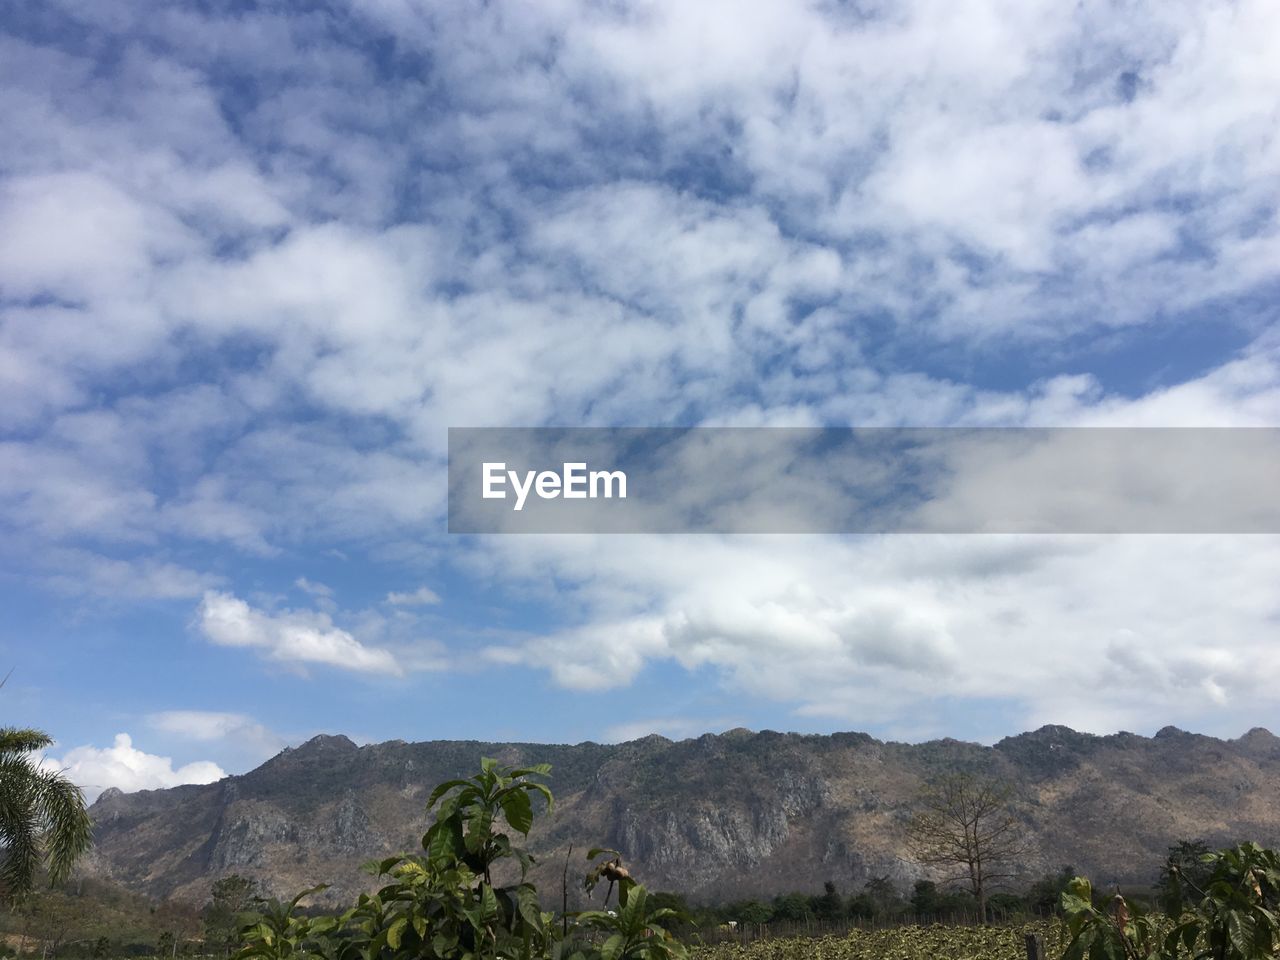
396 931
1080 887
444 944
632 916
542 789
537 770
517 809
443 842
444 788
479 831
528 906
613 947
380 867
489 908
1240 932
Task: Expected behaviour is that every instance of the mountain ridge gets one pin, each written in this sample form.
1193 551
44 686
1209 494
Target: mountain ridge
717 816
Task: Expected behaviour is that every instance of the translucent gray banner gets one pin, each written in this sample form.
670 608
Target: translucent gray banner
864 480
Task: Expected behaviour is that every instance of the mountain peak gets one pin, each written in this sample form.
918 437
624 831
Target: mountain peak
1259 743
1260 734
329 743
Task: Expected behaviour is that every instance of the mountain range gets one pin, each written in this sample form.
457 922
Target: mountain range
717 817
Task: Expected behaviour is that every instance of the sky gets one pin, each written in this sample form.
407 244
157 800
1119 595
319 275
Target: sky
257 258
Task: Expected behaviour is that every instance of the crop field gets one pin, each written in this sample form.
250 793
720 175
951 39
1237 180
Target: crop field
938 942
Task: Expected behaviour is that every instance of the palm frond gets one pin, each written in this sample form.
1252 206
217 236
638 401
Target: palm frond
42 819
68 831
19 828
17 740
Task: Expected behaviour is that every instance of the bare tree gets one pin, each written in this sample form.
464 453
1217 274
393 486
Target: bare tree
965 823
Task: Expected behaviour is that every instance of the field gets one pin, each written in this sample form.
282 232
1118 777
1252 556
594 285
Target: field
936 942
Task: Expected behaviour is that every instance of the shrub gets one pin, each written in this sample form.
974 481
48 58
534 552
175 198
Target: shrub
1234 914
448 902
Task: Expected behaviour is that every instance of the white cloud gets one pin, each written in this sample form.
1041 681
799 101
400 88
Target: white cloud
208 726
84 572
872 632
248 333
313 588
423 596
127 768
300 636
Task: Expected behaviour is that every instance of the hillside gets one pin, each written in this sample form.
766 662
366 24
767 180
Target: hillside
717 817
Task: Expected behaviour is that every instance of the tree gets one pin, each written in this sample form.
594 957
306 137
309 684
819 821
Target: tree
925 898
43 820
751 911
830 905
1187 862
879 898
230 897
54 918
182 920
1044 896
791 907
964 823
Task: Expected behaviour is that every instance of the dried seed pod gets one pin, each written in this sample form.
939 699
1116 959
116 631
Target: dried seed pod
614 871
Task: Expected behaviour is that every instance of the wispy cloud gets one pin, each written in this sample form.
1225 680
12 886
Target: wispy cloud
211 726
301 637
423 596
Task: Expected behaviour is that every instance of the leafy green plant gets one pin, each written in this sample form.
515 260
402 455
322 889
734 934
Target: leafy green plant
468 895
1124 932
275 930
633 931
1235 915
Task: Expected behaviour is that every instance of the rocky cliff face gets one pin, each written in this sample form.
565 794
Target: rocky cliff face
717 817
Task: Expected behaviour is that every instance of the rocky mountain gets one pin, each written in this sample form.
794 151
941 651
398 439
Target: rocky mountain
717 817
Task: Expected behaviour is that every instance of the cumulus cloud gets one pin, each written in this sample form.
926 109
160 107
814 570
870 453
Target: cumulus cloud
300 637
899 632
127 768
239 329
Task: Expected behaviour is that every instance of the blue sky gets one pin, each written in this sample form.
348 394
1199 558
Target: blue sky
256 259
